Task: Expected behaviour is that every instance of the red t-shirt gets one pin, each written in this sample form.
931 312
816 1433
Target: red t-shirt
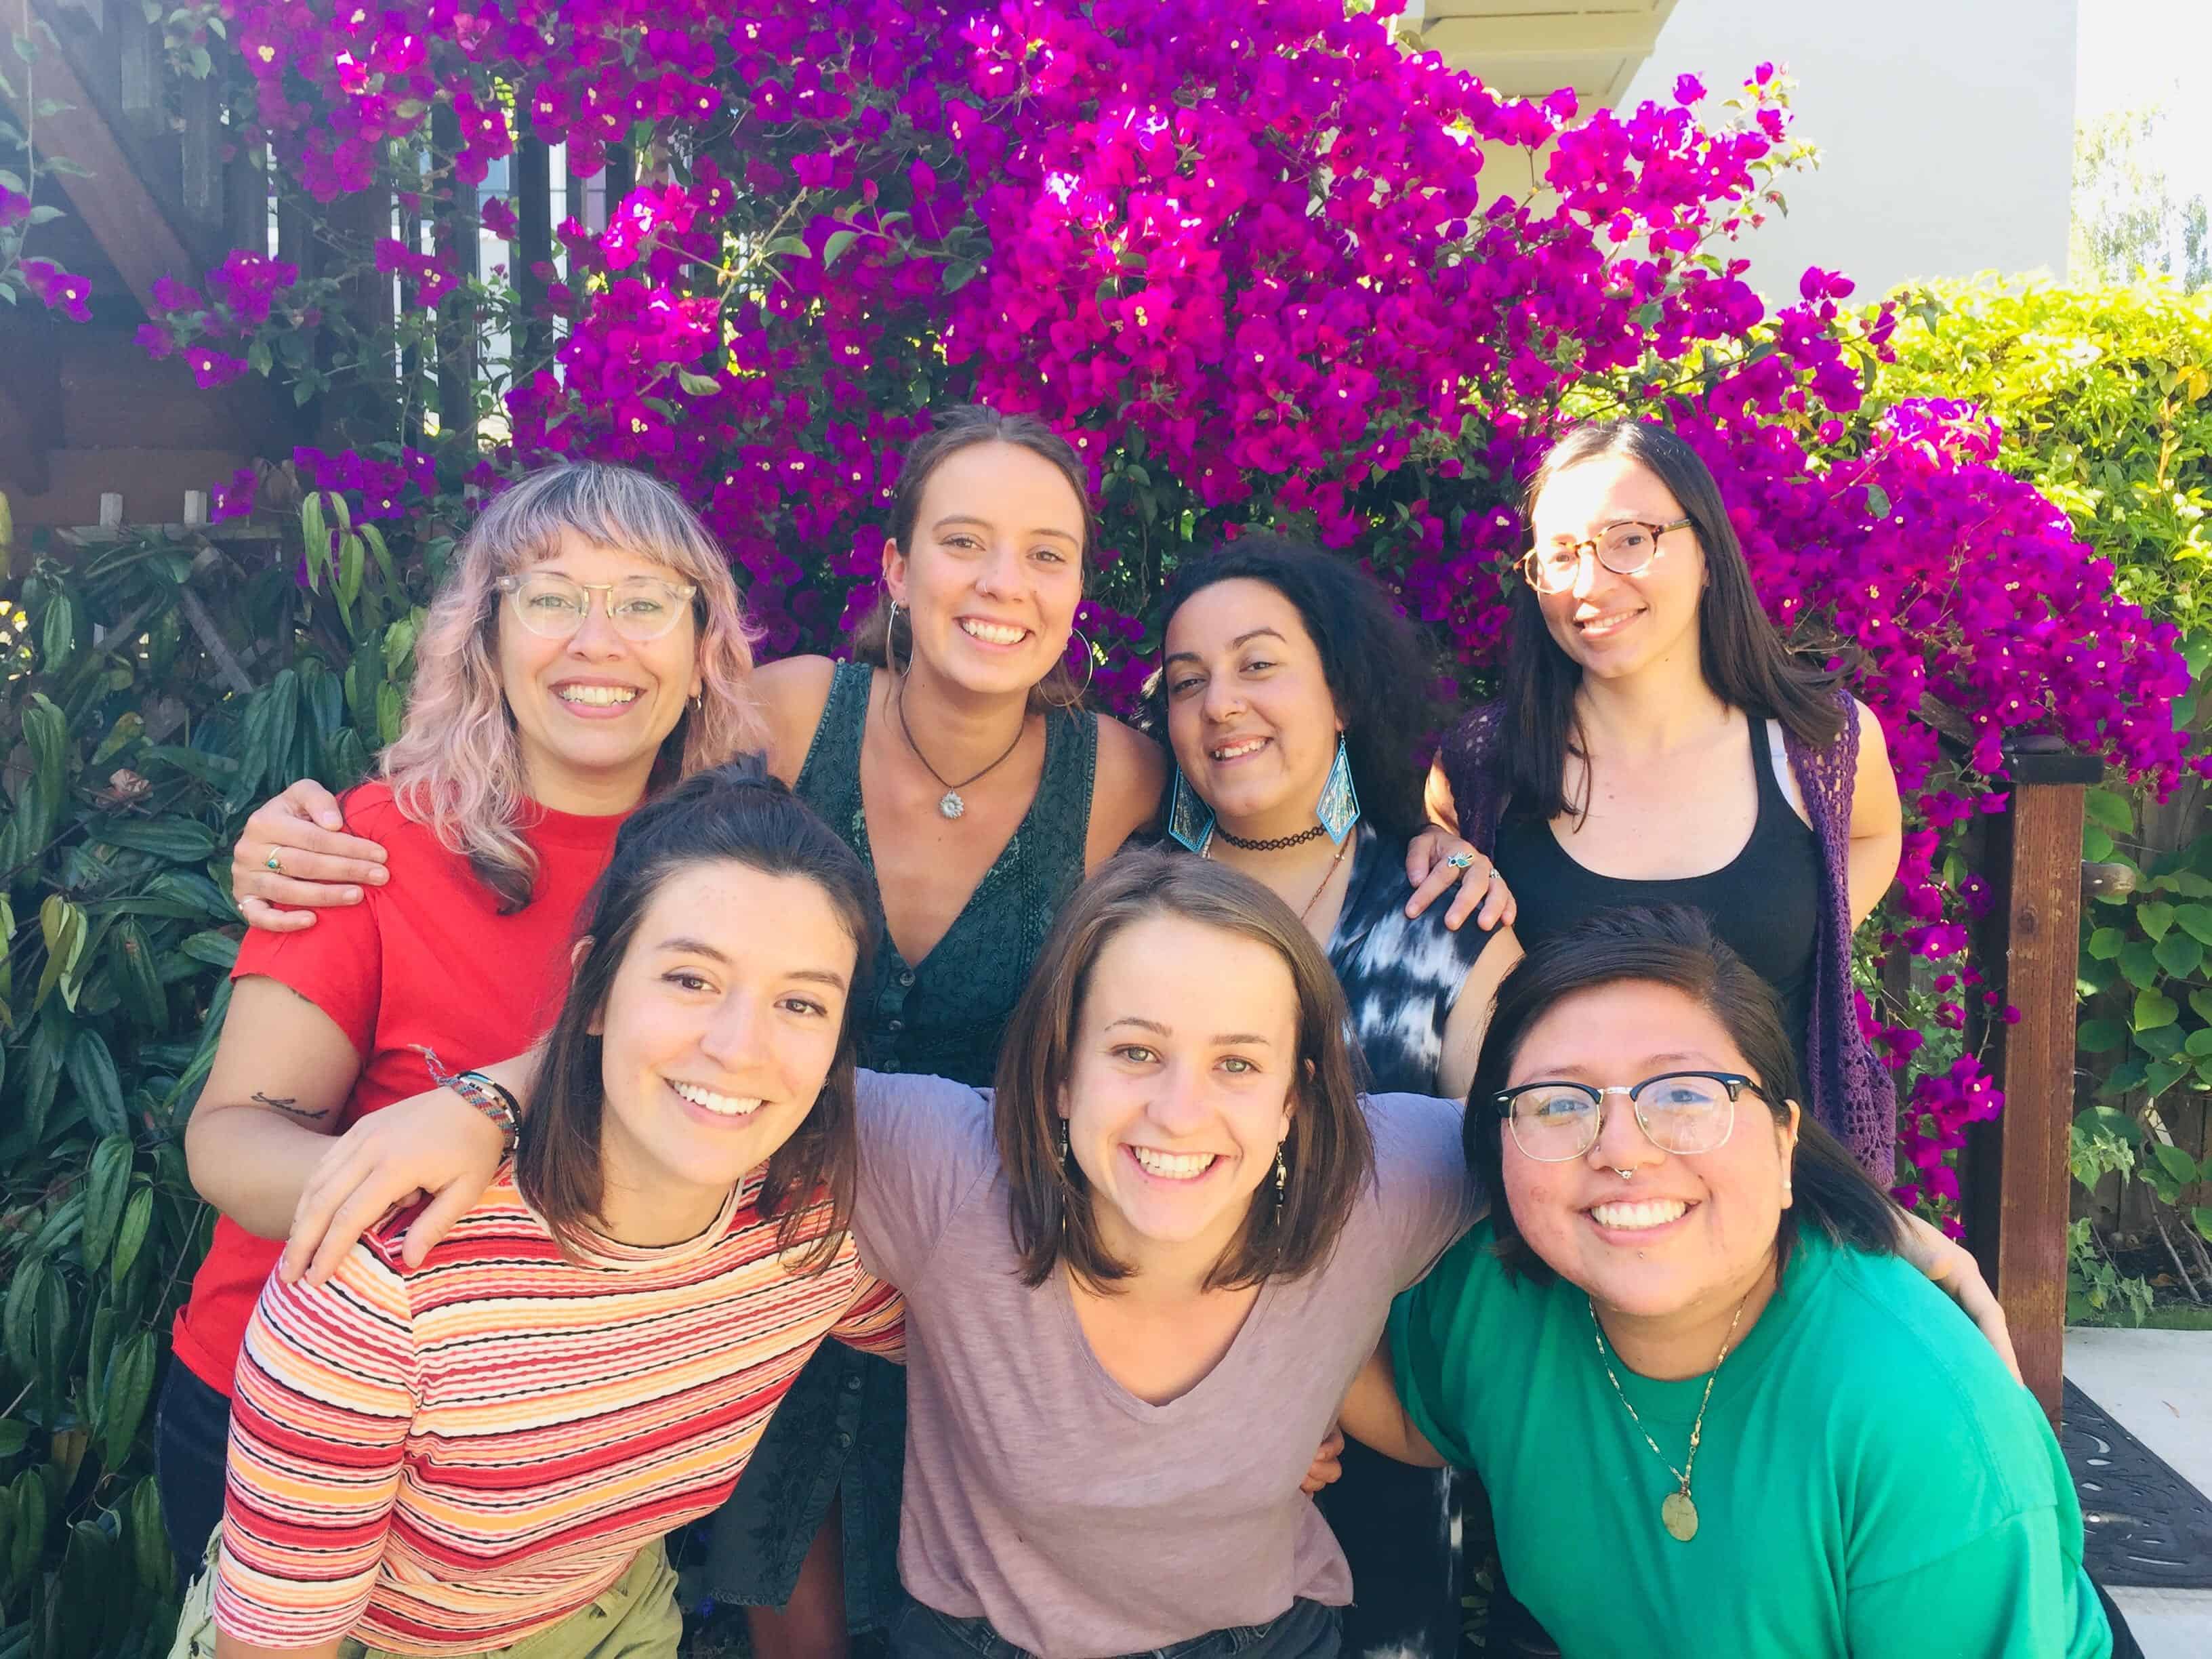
427 960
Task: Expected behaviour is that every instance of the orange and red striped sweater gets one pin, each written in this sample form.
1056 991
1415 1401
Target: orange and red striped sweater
450 1458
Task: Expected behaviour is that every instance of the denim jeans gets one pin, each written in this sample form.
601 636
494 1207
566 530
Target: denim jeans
1307 1630
192 1441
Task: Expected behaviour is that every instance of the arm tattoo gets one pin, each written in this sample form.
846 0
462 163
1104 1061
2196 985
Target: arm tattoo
289 1105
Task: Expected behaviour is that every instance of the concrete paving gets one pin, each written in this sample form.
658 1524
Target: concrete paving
2157 1385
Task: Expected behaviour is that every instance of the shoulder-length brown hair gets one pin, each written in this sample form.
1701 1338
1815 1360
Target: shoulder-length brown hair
1330 1153
887 639
735 812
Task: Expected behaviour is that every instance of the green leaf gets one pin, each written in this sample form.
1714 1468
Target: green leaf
699 386
2202 1215
2179 954
2107 942
137 981
2175 1161
129 1384
2154 1009
1877 501
61 925
2139 965
2196 920
22 1305
130 1236
2100 1036
2200 1004
92 1074
2153 916
59 637
181 840
834 249
2109 810
106 1186
13 1436
2161 1075
2161 1042
2200 1043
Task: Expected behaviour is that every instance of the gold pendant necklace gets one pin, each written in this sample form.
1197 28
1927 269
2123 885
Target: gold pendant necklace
1678 1511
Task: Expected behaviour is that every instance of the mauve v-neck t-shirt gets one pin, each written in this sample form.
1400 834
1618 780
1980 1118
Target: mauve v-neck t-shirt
1045 1498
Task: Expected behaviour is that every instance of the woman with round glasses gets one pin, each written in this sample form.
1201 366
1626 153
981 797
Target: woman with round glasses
586 645
1657 742
1687 1360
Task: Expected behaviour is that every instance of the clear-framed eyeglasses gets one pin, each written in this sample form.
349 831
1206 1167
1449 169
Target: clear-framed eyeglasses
1626 549
1681 1112
639 608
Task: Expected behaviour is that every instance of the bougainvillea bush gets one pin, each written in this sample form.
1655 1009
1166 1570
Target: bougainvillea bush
1246 257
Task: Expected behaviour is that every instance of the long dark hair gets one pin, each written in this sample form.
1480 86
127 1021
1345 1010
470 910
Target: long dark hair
1744 659
882 638
735 812
1380 667
1677 947
1329 1153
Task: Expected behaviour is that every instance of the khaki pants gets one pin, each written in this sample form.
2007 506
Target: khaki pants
634 1617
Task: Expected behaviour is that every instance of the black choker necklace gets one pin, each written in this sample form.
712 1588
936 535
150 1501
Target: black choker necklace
1274 846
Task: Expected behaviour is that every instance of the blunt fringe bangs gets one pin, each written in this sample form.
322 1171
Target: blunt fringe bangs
1330 1153
456 766
879 639
1379 666
1674 946
740 814
1744 657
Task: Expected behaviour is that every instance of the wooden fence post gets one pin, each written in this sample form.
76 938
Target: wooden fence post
2017 1187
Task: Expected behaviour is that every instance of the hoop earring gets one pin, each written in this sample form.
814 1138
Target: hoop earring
1190 820
890 644
1339 807
1090 674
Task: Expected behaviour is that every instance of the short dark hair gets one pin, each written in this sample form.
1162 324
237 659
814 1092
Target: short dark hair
1330 1153
1674 947
738 813
882 638
1744 657
1379 666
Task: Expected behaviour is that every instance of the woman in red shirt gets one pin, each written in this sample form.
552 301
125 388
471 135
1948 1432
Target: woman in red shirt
589 643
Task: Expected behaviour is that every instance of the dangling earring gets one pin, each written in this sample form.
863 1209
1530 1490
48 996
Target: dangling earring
1339 807
1282 1177
1090 674
1190 820
1063 1140
890 648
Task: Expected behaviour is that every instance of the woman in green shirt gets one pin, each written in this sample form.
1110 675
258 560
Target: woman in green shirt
1714 1411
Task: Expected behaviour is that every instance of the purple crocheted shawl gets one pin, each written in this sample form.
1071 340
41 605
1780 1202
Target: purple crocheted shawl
1851 1092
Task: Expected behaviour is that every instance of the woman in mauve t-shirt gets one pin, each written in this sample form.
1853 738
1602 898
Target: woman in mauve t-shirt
588 642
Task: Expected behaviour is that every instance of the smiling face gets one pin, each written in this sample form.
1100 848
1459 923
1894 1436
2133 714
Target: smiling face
1180 1088
719 1028
994 570
1684 1234
591 711
1616 626
1250 716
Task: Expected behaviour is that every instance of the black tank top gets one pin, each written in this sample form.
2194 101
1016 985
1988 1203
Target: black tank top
1765 902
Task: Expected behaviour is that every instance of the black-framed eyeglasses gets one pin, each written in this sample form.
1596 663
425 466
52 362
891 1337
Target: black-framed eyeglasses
1626 549
639 608
1681 1112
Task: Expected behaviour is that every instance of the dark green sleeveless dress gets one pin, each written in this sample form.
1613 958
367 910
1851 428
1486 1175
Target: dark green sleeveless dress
842 1430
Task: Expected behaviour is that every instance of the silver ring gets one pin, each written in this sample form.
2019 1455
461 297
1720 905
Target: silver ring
1460 860
1493 876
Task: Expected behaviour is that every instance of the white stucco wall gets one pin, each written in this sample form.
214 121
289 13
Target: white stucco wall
1946 129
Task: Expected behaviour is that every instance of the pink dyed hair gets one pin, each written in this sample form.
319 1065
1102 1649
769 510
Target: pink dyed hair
456 766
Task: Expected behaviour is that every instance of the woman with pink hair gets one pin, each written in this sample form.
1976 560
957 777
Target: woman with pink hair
588 646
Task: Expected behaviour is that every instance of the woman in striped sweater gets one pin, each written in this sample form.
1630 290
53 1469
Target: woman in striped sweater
485 1450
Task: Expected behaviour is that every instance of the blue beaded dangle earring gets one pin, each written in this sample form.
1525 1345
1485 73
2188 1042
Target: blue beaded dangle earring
1339 806
1190 821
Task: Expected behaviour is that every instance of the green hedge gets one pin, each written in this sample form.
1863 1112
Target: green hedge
2105 399
139 757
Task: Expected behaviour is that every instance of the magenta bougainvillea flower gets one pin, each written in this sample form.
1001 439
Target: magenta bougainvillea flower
1249 258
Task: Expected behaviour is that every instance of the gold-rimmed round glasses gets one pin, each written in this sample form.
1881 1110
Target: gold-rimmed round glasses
1678 1111
1626 549
639 608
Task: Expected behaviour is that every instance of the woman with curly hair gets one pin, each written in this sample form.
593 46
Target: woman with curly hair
587 646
